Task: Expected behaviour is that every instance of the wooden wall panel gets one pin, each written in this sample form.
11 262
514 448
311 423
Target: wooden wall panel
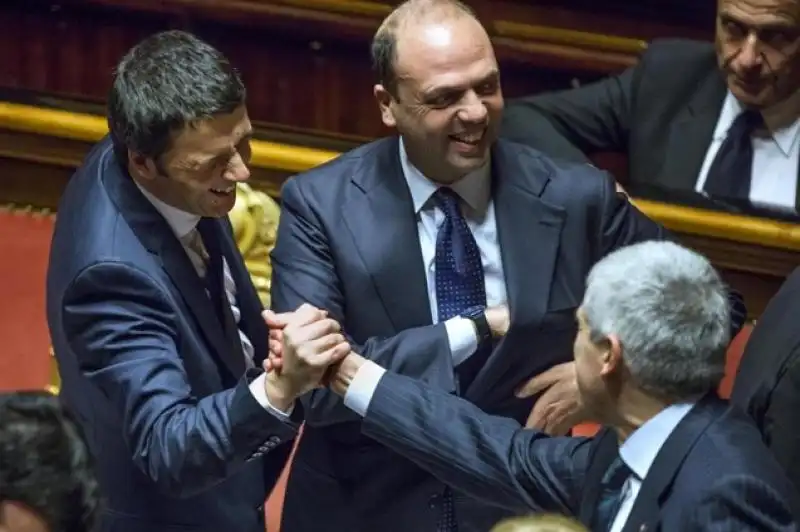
306 63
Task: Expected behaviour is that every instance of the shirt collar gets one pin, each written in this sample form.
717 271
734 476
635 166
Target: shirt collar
784 137
181 222
474 188
639 451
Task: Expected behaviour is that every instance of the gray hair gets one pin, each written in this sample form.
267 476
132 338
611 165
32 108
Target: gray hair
669 308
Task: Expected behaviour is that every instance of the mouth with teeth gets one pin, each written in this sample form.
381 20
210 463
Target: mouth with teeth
224 192
468 141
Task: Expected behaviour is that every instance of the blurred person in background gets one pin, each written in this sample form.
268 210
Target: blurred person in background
47 482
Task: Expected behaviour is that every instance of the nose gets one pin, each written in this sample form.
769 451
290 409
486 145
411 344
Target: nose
749 55
473 110
237 170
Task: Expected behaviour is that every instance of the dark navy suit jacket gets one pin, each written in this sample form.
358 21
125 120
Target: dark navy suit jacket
178 439
713 473
348 242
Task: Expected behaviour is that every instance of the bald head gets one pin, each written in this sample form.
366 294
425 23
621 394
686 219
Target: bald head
409 16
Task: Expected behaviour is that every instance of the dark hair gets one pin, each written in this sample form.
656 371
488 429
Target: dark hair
166 82
383 49
44 462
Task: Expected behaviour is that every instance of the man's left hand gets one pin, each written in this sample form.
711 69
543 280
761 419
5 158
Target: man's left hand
559 408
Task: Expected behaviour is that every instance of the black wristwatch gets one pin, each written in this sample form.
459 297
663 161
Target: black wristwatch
477 315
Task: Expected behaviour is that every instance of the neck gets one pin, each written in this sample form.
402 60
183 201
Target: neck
782 114
634 409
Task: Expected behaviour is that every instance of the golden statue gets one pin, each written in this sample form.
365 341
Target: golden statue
255 226
539 523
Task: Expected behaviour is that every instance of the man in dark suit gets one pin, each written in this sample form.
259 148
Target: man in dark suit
720 120
155 323
767 383
408 241
649 353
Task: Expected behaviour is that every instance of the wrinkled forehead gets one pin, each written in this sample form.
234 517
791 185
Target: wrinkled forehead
761 13
447 52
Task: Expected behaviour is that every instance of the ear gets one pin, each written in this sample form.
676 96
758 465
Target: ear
611 359
385 99
141 166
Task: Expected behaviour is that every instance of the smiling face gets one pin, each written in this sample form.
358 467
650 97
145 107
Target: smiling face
200 171
447 103
758 49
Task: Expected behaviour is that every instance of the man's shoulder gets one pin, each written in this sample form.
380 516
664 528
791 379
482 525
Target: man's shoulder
338 171
679 52
558 174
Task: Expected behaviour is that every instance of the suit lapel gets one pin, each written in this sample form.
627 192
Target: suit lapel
655 486
606 451
380 216
690 135
529 232
156 235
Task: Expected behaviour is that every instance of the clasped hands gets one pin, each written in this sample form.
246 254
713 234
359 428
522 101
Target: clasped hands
305 345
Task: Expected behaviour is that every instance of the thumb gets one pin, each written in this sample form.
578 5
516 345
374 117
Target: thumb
274 320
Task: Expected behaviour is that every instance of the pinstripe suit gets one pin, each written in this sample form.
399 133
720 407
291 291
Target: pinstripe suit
712 473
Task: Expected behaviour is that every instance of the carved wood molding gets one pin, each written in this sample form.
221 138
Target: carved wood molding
757 244
540 45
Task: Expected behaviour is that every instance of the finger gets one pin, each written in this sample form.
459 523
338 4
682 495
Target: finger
276 334
542 381
275 363
311 353
333 355
276 347
307 309
541 409
277 321
296 335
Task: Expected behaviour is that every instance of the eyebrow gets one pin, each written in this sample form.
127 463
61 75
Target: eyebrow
445 89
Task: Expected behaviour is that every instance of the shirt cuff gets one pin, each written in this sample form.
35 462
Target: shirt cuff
258 389
462 338
362 388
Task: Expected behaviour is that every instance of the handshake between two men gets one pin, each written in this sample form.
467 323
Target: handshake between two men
308 349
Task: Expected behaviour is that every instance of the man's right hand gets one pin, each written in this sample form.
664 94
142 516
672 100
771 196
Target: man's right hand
310 343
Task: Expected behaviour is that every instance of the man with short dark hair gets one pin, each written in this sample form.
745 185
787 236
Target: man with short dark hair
418 245
46 479
155 323
649 356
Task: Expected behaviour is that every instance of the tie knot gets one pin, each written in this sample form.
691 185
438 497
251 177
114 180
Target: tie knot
747 122
194 241
616 474
448 201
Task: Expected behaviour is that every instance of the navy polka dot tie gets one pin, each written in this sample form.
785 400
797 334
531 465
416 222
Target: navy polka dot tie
459 272
459 286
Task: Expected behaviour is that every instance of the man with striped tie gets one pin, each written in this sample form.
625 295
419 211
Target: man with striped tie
649 355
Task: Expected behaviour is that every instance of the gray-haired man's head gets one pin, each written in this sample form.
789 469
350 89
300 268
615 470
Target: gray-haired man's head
654 317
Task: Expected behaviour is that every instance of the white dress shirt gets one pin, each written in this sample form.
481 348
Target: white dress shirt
184 225
478 208
775 159
638 452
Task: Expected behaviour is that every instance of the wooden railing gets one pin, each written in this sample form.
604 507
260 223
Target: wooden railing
756 253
